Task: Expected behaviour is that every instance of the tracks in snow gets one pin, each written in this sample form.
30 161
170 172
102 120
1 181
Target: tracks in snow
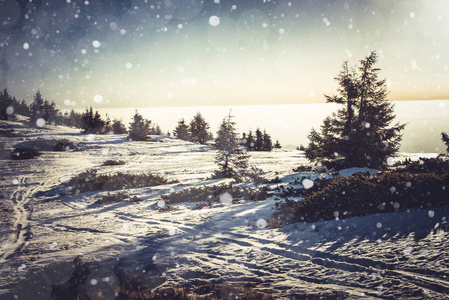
20 228
250 255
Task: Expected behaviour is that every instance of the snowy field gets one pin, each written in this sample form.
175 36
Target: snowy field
397 255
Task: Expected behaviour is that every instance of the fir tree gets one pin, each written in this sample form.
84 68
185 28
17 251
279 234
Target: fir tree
258 144
139 128
445 139
7 109
277 145
250 142
267 143
107 128
182 131
23 108
92 122
37 109
360 133
199 129
244 140
231 158
118 127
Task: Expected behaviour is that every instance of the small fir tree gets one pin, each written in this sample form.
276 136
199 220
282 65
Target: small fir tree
277 145
258 144
36 109
267 143
7 109
231 158
139 128
118 127
182 131
445 139
199 129
250 141
92 122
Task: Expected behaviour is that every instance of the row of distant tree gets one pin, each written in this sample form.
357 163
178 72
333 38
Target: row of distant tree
197 131
38 109
42 112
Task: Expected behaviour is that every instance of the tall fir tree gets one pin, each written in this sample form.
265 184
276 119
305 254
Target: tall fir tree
92 122
250 141
199 129
231 158
7 109
445 139
37 110
361 132
258 143
182 131
139 129
267 143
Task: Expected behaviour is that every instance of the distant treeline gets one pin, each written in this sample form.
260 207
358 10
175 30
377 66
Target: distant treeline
197 131
43 112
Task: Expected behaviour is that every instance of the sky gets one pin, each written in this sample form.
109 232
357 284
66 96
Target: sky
144 53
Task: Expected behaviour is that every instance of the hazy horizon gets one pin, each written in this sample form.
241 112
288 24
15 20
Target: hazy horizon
291 124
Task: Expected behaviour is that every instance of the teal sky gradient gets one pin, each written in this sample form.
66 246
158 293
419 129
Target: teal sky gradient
197 53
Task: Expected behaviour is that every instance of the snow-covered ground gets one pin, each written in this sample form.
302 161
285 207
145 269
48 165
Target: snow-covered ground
398 255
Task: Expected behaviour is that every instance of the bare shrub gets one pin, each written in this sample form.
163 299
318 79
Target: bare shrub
91 181
111 162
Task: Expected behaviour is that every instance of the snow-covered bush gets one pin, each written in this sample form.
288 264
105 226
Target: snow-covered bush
364 194
112 162
119 197
49 145
213 193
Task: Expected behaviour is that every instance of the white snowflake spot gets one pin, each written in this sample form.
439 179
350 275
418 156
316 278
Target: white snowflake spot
431 213
93 282
113 26
261 223
408 250
26 46
307 183
96 44
98 98
390 161
161 203
214 21
226 198
40 122
128 65
9 110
